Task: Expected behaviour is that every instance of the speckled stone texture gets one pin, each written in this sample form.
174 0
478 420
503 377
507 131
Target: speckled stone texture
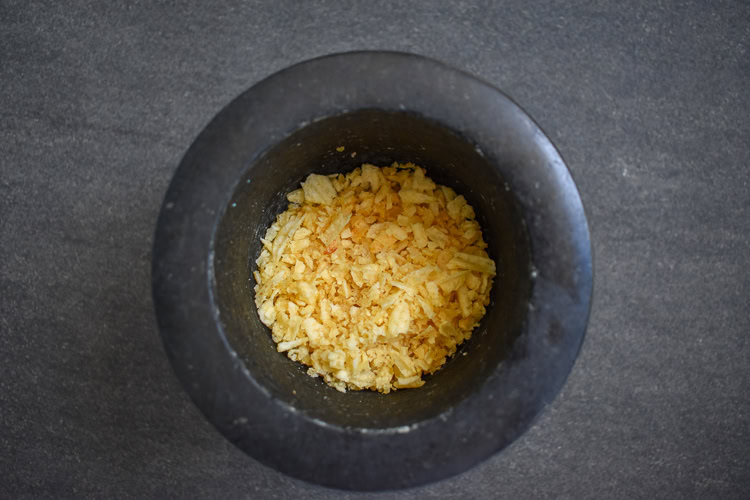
647 103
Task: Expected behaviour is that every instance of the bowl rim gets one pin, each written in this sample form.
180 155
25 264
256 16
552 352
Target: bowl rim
273 432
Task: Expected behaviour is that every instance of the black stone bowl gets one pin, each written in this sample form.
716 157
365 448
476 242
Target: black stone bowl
386 107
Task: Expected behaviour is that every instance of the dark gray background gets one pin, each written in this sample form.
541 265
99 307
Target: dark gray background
649 104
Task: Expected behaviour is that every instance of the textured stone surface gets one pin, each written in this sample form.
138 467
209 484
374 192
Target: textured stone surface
648 104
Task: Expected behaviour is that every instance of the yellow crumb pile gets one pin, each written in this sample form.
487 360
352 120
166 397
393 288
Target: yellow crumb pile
372 278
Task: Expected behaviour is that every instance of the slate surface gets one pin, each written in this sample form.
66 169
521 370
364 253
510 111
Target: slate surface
649 104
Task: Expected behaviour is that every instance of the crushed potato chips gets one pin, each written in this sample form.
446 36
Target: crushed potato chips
373 278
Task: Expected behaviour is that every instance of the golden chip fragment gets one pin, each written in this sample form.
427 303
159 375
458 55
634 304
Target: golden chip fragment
296 196
338 224
477 263
399 320
319 189
414 197
373 278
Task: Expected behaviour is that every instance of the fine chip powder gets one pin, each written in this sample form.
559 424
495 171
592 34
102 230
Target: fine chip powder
374 277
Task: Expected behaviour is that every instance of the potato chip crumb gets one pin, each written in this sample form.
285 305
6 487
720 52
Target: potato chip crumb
340 149
373 278
319 189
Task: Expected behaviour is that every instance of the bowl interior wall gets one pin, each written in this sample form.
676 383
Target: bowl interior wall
377 137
